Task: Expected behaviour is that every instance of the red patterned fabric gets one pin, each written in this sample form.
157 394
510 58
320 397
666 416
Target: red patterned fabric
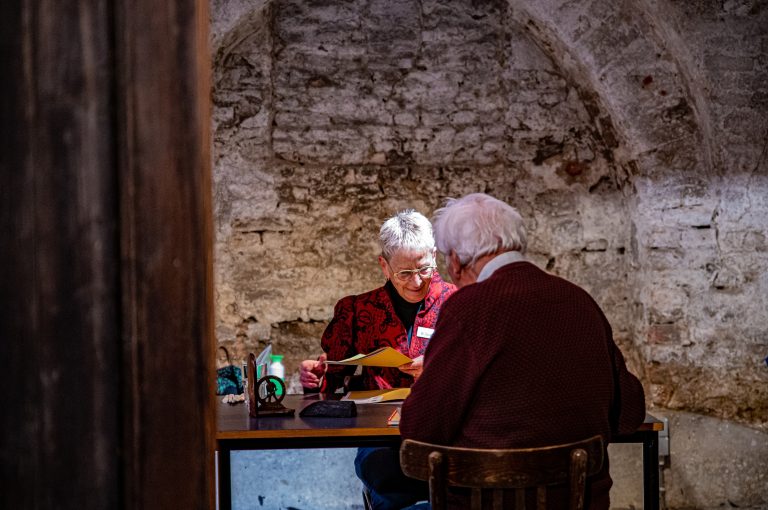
368 321
523 359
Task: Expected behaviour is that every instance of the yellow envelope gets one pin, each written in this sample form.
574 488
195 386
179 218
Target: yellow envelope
381 357
373 396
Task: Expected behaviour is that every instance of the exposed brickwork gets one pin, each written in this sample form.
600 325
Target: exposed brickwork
323 130
631 135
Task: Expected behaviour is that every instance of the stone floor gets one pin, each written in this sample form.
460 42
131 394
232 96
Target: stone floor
295 480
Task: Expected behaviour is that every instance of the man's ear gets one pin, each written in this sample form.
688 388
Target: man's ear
384 267
454 264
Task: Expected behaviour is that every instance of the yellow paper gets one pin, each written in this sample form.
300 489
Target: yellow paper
373 396
382 357
394 418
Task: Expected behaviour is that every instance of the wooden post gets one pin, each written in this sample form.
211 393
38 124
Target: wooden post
106 342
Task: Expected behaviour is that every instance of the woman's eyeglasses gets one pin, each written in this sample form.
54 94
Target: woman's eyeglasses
423 272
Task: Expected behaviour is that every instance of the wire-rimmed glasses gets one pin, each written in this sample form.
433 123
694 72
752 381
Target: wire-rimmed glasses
423 272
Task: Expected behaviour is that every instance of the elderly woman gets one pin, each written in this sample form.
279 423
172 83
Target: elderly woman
401 314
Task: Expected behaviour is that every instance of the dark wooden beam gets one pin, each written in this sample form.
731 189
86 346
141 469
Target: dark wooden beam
166 242
106 342
59 289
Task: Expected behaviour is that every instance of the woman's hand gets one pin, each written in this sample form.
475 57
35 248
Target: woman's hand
413 368
311 372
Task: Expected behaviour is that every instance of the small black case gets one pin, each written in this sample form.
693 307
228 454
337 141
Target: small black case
330 409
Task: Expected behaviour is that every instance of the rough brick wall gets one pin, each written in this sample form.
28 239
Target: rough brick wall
330 118
702 230
630 135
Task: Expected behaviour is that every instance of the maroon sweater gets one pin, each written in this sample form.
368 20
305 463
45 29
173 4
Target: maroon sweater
523 359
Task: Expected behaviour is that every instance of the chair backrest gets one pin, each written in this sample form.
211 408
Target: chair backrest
503 473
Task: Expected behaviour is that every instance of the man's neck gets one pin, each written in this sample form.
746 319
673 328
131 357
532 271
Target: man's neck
496 260
480 263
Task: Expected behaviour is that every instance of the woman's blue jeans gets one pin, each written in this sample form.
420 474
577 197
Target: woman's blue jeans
379 470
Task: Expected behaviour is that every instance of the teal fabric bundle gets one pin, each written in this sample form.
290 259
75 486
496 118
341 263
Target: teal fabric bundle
229 380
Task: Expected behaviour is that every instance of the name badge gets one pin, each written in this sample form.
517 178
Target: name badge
423 332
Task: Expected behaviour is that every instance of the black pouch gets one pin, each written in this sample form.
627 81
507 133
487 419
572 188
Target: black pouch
330 409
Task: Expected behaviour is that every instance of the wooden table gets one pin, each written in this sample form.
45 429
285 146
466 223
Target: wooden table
237 431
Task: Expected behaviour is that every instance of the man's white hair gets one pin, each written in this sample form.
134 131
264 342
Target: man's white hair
476 225
407 230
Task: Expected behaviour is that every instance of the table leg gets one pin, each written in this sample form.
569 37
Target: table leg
651 471
225 478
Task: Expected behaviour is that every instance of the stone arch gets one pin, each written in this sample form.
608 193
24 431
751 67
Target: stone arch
243 30
233 22
647 88
656 95
642 107
251 24
634 71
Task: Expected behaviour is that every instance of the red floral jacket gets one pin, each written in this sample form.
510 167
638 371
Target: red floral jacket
368 321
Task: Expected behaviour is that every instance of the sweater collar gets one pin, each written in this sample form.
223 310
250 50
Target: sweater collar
501 260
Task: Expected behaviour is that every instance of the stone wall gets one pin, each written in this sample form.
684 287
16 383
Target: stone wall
630 135
323 131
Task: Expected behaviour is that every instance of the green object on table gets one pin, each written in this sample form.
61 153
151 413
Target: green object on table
277 369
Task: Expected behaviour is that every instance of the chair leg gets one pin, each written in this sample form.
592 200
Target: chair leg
367 499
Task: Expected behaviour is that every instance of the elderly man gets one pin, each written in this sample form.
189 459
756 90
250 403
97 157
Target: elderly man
520 358
402 315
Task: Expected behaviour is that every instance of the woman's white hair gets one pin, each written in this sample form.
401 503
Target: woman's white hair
407 230
476 225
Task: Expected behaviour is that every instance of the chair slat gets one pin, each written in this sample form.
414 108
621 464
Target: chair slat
567 465
438 488
476 499
578 478
498 499
519 499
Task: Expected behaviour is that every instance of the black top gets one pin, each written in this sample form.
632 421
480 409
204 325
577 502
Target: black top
406 311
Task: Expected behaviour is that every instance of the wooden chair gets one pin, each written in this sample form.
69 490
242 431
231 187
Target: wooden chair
367 503
503 472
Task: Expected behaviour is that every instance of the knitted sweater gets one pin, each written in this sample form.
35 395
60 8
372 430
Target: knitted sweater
523 359
368 321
